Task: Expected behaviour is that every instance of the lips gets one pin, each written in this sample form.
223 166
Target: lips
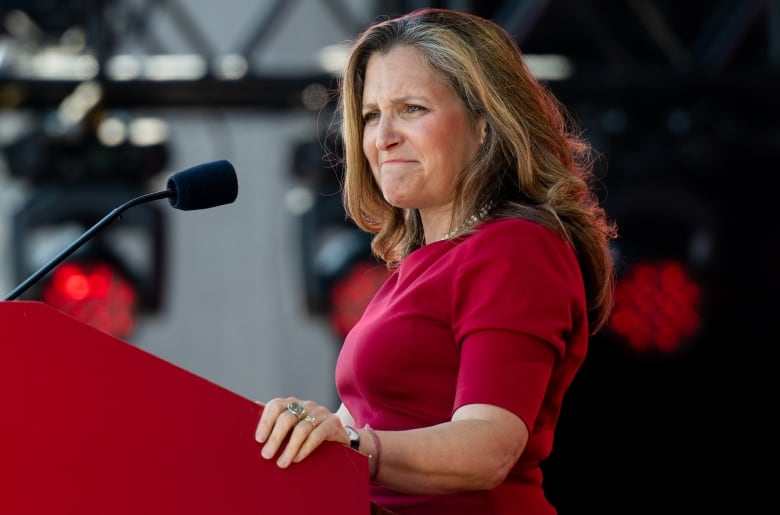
387 162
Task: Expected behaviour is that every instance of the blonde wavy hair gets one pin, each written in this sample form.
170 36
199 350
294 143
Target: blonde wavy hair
532 165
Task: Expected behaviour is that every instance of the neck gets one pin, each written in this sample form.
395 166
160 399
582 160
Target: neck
472 220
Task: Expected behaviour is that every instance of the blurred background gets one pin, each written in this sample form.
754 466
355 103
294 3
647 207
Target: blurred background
102 100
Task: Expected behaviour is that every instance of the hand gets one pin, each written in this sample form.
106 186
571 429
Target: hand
307 429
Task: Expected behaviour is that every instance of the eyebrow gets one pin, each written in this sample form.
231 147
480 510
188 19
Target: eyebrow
409 99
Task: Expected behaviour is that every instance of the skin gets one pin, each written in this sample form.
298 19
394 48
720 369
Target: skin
418 136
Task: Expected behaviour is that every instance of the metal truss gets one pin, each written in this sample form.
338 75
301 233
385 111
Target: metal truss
660 47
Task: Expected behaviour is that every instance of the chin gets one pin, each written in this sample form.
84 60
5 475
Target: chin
398 202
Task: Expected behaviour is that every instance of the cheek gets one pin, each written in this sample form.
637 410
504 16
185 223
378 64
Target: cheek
371 153
369 148
468 147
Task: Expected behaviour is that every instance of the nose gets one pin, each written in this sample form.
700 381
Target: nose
386 134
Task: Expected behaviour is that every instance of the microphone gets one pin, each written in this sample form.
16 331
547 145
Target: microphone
199 187
203 186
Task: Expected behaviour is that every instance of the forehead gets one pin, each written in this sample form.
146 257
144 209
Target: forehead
401 71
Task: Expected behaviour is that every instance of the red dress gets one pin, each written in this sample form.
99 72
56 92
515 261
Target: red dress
497 317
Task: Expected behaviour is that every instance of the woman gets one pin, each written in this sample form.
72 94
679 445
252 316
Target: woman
478 193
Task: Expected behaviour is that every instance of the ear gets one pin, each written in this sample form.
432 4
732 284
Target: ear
482 126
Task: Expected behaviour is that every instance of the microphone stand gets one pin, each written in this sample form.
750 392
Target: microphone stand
110 217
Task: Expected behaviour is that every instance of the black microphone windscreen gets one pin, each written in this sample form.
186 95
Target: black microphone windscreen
203 186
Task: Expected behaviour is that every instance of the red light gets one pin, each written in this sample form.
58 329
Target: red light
657 306
94 293
350 295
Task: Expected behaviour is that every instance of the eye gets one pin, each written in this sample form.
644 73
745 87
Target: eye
370 116
414 109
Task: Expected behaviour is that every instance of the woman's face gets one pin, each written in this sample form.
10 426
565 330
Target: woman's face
418 135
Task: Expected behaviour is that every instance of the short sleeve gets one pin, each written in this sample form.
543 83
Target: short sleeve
518 297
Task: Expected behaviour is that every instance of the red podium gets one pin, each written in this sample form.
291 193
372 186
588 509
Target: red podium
92 425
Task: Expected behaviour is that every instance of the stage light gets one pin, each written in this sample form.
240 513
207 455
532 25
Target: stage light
96 293
80 168
115 276
351 293
657 306
340 274
666 257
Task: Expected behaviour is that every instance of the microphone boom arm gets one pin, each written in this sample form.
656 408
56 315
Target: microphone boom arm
73 247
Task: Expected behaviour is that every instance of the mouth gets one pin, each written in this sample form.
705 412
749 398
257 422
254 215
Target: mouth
395 162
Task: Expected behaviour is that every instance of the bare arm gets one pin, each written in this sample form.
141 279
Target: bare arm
474 451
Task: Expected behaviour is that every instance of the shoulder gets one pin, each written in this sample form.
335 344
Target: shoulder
515 232
519 242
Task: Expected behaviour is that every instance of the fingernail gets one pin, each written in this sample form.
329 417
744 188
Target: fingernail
267 453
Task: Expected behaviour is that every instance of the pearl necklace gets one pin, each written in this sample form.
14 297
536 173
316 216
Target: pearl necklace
471 220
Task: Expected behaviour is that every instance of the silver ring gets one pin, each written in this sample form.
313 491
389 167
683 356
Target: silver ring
296 409
311 420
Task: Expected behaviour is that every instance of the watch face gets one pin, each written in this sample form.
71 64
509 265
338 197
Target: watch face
354 437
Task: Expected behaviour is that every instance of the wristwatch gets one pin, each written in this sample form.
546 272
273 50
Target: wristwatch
354 437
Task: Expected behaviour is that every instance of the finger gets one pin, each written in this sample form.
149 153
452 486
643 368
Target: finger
299 444
307 427
326 426
283 416
268 417
307 435
297 436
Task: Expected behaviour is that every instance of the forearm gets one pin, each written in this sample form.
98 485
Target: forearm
459 455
